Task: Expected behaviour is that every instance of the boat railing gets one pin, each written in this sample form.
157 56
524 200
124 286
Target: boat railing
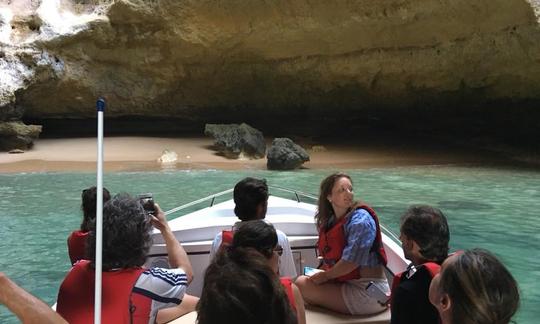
212 198
299 195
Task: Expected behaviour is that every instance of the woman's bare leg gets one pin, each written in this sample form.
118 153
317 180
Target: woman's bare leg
327 295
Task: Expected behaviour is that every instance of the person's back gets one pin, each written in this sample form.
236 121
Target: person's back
251 202
130 294
425 237
76 241
240 287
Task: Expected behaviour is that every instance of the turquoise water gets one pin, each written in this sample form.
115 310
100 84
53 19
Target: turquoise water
494 209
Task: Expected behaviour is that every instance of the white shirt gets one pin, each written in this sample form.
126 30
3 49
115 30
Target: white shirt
286 260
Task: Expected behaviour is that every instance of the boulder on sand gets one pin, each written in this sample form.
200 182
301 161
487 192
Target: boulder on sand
284 154
235 140
17 135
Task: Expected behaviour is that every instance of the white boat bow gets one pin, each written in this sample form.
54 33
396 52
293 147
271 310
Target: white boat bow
197 229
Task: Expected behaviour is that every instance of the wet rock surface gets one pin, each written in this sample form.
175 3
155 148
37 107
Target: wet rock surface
235 141
16 135
284 154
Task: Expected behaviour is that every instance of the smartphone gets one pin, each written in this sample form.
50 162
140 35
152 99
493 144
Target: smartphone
375 292
309 271
147 202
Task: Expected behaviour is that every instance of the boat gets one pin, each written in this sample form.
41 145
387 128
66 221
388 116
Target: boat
290 211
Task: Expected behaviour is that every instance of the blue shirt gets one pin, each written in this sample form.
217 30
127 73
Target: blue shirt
360 232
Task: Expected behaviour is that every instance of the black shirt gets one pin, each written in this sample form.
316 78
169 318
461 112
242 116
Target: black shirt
410 301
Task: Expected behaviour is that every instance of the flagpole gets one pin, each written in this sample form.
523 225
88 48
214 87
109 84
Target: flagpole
100 106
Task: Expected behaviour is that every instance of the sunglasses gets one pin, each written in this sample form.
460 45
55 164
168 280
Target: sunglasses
279 250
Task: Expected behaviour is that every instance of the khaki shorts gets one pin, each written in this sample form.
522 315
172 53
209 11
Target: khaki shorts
357 300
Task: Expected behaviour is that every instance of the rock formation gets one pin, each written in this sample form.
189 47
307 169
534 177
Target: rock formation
270 63
16 135
236 141
284 154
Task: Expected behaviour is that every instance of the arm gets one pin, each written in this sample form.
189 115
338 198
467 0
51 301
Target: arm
341 268
287 267
299 302
28 308
177 255
216 244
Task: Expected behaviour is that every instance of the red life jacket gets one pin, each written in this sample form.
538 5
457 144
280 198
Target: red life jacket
226 237
332 242
119 304
76 246
287 285
432 268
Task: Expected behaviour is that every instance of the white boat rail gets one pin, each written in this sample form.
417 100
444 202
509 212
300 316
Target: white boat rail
212 198
298 195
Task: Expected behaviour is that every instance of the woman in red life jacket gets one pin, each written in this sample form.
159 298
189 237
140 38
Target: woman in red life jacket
424 238
474 287
131 293
241 284
351 249
76 241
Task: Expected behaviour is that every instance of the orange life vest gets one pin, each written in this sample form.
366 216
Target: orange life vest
119 303
332 242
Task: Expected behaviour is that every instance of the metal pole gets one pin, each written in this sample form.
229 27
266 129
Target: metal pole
100 105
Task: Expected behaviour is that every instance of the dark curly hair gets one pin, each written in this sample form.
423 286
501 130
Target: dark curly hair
88 205
240 287
126 234
427 226
480 287
248 195
256 234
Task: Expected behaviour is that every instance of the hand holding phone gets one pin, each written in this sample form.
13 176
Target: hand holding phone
147 201
375 292
309 271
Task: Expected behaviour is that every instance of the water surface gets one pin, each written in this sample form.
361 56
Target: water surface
489 208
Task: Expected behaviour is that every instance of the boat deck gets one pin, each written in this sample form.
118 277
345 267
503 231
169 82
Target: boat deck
315 315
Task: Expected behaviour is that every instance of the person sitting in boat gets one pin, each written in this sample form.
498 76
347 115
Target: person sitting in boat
424 238
76 241
28 308
251 201
473 286
262 237
130 292
241 284
351 249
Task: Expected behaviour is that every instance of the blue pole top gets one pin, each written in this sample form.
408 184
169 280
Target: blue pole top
100 104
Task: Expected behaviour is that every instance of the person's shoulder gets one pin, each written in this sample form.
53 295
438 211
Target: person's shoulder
280 233
218 236
78 233
174 276
360 216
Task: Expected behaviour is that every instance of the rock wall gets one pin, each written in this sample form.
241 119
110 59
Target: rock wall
236 60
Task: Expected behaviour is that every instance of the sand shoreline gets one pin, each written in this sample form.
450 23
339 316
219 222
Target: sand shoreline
141 154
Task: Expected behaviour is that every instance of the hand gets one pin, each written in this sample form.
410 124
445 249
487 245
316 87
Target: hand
320 277
159 220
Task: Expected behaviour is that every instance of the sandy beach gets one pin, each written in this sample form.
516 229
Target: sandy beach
142 153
